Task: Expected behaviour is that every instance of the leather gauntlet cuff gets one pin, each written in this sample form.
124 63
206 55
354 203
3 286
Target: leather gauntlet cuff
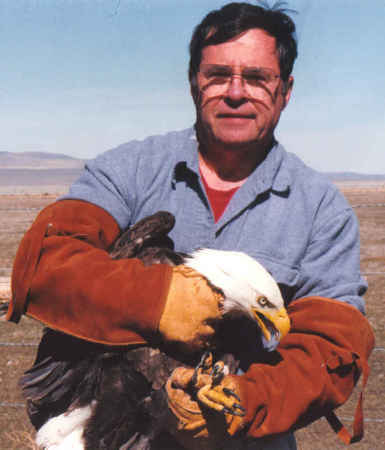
64 277
313 371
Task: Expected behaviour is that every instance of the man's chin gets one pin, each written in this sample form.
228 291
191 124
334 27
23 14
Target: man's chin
234 142
231 139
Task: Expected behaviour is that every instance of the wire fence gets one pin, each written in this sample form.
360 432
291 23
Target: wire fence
35 344
369 205
21 209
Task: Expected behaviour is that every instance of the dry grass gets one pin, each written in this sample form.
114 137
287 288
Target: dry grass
17 434
20 440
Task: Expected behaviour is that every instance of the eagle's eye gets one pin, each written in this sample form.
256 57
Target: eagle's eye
263 301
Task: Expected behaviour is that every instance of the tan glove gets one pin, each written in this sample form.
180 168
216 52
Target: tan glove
200 412
191 311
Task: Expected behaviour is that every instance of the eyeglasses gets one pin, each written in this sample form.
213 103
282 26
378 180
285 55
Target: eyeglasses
257 81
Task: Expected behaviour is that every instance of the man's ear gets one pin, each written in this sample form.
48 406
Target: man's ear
194 92
287 89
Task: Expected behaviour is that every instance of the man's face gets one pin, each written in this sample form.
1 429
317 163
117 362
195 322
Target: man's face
240 93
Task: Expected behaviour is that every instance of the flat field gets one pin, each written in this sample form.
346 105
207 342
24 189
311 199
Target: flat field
17 343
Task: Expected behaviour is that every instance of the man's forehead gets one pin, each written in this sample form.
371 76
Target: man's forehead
253 47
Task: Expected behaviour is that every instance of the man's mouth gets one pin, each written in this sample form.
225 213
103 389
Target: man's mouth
235 116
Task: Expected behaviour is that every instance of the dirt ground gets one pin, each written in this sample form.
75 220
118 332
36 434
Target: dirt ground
17 343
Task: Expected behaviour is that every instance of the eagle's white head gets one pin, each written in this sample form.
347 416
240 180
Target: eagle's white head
247 289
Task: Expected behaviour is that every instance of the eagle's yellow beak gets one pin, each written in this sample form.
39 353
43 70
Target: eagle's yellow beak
278 318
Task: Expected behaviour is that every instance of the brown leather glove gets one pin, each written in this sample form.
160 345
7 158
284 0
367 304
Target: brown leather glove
314 370
64 277
192 308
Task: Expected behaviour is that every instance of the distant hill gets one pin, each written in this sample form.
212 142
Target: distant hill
44 160
352 176
38 160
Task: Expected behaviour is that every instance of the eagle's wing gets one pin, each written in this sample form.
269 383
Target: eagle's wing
122 388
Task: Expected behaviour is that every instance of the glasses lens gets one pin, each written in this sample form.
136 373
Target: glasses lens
256 81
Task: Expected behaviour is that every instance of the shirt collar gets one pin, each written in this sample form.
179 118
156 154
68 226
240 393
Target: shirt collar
271 174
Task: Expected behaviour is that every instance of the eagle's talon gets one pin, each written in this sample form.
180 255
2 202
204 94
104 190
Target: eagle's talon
234 412
237 405
203 366
206 361
230 393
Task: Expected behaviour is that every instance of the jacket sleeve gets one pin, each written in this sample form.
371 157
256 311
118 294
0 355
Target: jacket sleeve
330 266
63 276
313 370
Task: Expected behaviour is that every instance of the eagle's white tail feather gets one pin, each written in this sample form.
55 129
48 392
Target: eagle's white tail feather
65 431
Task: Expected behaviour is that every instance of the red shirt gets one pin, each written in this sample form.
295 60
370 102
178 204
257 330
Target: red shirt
218 199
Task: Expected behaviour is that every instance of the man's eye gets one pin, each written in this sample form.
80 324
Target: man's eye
219 75
255 78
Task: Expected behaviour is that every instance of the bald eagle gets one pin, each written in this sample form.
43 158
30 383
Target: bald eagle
82 395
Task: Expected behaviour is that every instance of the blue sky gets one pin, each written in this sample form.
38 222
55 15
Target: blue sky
82 76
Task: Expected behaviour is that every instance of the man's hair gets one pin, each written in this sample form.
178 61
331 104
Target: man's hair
233 19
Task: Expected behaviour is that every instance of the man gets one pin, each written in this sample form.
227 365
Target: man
231 186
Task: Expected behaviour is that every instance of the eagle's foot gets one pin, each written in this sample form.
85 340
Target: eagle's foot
212 392
221 399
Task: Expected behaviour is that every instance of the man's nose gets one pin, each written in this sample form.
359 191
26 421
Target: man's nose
235 89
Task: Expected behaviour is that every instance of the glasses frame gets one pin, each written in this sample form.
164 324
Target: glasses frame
255 80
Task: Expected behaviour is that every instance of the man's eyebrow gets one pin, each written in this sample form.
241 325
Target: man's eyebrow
216 66
243 69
